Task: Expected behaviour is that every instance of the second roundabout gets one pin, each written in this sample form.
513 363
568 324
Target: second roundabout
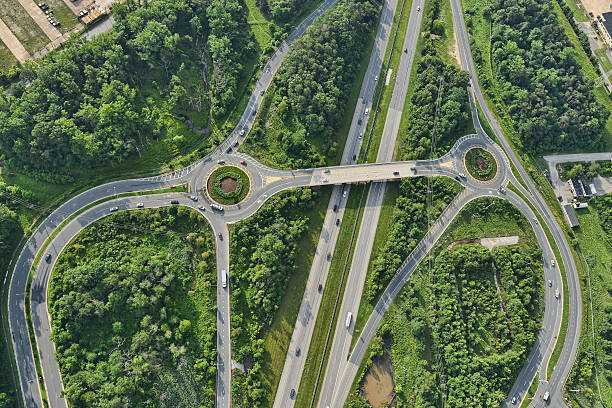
228 185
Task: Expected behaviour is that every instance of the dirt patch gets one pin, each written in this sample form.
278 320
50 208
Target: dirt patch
481 163
228 184
378 384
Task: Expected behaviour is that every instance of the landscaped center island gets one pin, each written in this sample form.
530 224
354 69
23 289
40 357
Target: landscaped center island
228 185
480 164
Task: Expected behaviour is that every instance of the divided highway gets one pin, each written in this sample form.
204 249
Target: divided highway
266 182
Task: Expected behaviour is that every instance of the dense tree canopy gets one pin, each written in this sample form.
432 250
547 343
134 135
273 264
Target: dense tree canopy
263 257
133 311
282 10
552 105
297 125
90 104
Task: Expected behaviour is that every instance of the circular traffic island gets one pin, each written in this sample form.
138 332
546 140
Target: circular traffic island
228 185
480 164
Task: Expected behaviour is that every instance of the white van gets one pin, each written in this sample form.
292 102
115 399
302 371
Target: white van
349 319
224 278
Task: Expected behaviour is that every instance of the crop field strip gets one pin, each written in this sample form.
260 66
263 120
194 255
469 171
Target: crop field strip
22 25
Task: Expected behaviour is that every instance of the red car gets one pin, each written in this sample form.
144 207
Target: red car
220 236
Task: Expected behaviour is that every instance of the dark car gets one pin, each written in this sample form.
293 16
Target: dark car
396 173
298 352
359 122
229 150
329 256
337 221
174 202
48 258
354 157
335 207
220 236
292 393
320 288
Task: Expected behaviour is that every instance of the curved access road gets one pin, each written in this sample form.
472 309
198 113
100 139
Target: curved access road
22 347
566 360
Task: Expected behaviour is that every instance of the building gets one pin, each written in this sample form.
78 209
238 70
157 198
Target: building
580 188
570 215
604 24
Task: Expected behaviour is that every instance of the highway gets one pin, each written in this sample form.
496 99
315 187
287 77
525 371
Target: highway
363 246
265 182
311 300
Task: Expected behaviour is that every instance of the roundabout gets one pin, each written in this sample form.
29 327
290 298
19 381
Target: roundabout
228 185
480 164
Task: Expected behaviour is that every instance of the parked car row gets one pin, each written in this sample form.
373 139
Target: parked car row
50 16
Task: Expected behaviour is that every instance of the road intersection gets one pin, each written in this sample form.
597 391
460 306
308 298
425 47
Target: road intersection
267 182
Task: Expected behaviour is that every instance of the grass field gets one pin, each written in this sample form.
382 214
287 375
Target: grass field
278 336
598 255
7 59
22 25
63 14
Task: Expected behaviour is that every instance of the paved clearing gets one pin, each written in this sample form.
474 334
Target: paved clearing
11 43
499 241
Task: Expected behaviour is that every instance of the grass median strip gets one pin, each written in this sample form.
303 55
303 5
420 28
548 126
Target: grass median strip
316 360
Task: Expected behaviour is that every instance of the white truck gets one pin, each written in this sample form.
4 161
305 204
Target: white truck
349 319
224 278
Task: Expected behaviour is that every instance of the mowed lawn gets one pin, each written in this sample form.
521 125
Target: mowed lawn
22 25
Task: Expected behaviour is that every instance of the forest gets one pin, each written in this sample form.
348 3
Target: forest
132 304
263 255
551 103
97 102
410 223
281 11
297 124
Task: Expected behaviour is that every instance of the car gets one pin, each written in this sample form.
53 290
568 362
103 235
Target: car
549 283
360 135
174 202
354 157
329 256
48 258
557 293
201 208
193 198
326 171
220 161
359 122
337 221
552 263
139 205
229 150
560 198
236 143
220 235
406 50
458 178
262 92
242 132
298 351
292 393
243 162
535 220
376 78
418 8
513 400
335 207
502 190
546 396
254 112
344 194
320 288
113 209
367 111
396 173
462 175
413 169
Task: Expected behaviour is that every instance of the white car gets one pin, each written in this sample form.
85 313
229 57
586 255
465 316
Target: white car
113 209
418 8
139 205
344 194
549 283
376 78
552 263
